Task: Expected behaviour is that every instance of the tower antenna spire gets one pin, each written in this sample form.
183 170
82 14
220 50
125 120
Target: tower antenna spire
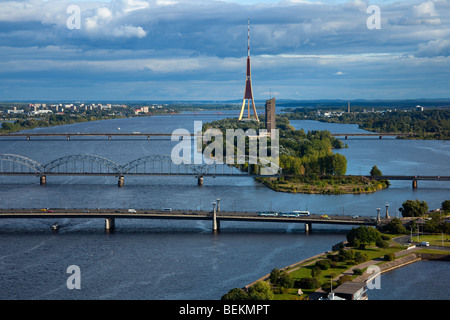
248 95
248 38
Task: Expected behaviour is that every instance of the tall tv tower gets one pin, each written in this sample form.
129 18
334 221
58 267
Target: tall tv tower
248 95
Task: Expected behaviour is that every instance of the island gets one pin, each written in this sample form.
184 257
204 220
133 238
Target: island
307 160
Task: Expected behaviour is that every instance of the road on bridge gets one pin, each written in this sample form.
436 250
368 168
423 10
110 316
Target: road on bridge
181 215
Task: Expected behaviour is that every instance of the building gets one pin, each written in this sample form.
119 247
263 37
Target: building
351 290
270 115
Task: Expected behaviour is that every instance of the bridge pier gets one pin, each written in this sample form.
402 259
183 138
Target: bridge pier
121 181
110 223
414 184
43 180
308 227
200 181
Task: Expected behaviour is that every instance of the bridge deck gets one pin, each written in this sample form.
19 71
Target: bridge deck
181 215
165 134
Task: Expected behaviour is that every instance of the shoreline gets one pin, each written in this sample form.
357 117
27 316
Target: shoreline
314 187
403 258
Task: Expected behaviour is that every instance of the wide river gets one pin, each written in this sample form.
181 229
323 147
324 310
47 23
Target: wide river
178 260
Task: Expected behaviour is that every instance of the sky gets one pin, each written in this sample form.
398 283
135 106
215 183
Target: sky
196 50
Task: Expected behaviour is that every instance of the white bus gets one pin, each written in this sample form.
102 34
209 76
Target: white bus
302 213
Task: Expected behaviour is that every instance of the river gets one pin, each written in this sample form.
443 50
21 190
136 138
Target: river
178 260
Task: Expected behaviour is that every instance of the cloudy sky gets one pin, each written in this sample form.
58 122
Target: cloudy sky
196 50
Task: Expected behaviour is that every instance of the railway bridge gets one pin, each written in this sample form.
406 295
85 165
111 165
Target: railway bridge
157 165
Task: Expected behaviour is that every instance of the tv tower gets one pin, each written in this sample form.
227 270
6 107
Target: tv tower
248 95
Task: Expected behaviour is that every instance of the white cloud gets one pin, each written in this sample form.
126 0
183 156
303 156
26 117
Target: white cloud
425 9
305 46
129 32
434 48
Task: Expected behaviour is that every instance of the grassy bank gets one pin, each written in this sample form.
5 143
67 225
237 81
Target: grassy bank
324 185
321 273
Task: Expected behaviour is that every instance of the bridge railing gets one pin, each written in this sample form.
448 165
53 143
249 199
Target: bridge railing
147 165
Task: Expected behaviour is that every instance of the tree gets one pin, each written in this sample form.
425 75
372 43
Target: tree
315 271
446 206
274 275
413 208
339 164
365 235
285 280
281 278
260 291
235 294
375 172
395 226
380 243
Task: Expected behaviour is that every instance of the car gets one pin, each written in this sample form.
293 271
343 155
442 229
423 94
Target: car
424 244
131 210
50 211
325 217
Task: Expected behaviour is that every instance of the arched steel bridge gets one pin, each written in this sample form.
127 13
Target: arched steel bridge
88 164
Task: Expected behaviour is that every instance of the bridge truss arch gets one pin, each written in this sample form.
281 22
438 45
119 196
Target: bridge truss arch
13 163
82 164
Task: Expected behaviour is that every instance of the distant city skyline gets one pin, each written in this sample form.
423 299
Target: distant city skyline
196 50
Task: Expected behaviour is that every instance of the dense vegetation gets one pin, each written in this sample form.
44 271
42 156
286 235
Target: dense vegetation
426 124
326 272
307 160
49 120
315 275
300 153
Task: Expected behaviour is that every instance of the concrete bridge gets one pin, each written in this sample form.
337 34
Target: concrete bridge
215 216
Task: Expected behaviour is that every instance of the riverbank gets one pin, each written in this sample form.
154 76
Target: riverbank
401 255
325 185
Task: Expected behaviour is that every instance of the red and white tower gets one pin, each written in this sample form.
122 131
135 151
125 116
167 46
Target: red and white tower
248 95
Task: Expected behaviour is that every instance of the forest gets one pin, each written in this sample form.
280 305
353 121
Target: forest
49 121
307 161
420 124
300 153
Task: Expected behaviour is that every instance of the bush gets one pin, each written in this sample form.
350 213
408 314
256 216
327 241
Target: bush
357 271
308 283
361 257
389 257
260 291
380 243
323 264
235 294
